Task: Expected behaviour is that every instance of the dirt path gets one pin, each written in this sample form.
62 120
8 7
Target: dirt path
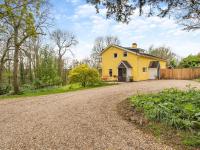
77 120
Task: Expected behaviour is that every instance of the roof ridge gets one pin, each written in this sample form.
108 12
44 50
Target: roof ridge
132 50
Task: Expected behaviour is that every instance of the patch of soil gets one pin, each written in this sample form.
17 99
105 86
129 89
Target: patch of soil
163 133
129 113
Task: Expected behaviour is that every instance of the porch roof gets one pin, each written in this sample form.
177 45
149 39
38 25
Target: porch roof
125 63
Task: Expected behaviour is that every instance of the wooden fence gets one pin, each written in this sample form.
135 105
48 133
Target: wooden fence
180 74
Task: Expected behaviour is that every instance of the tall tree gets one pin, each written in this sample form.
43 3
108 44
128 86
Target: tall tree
165 53
186 12
190 61
25 18
63 40
99 44
47 68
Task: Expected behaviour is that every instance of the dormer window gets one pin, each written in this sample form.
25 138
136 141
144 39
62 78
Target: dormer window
125 54
115 55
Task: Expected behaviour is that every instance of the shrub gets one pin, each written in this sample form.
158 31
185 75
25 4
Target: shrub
84 74
179 109
4 89
190 61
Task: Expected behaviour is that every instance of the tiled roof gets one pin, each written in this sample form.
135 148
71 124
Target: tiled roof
138 51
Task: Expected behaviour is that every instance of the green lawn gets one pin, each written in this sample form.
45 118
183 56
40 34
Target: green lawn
172 113
53 90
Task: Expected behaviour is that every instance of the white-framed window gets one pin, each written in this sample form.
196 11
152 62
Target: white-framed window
115 55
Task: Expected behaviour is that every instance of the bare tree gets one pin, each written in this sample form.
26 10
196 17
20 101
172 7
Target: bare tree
109 40
165 53
99 44
63 40
186 12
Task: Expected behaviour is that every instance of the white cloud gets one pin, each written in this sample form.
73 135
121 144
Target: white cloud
143 30
74 2
84 11
83 49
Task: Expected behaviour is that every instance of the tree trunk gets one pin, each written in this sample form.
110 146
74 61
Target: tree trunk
15 70
37 63
9 69
60 67
30 71
22 72
64 77
1 72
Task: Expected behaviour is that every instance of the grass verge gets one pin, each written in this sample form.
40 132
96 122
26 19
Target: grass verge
53 90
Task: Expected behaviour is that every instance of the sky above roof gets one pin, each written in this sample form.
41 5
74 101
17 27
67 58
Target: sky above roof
80 18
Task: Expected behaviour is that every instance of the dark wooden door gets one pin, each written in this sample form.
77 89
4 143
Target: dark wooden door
121 74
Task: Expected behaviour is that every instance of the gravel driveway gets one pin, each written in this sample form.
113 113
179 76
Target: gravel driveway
82 120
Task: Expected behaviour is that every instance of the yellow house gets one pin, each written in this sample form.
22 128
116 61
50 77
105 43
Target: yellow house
129 64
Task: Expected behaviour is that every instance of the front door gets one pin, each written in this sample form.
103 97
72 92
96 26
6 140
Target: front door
122 74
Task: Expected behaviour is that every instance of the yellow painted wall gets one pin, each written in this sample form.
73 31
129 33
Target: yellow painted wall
144 62
137 62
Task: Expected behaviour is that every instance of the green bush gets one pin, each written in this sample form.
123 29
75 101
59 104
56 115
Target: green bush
190 61
4 89
47 74
85 75
179 109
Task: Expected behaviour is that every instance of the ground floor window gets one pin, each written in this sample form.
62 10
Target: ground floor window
110 72
144 69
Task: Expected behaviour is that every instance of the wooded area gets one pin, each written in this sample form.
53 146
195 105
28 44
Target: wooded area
180 74
33 54
26 59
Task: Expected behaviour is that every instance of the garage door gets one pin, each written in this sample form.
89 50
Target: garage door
153 73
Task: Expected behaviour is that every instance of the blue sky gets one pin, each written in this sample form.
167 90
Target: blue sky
80 18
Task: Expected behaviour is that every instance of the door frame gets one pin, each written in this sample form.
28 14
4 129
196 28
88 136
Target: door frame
128 72
157 69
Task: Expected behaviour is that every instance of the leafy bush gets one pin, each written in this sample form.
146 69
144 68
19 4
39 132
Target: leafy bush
85 75
4 89
179 109
190 61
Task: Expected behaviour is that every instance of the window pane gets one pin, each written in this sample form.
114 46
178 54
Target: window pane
115 55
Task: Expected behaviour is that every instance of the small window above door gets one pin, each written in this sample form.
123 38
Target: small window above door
115 55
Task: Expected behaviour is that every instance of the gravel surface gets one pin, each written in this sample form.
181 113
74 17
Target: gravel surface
84 120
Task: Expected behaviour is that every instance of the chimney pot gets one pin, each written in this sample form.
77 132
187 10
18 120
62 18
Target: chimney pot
134 45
